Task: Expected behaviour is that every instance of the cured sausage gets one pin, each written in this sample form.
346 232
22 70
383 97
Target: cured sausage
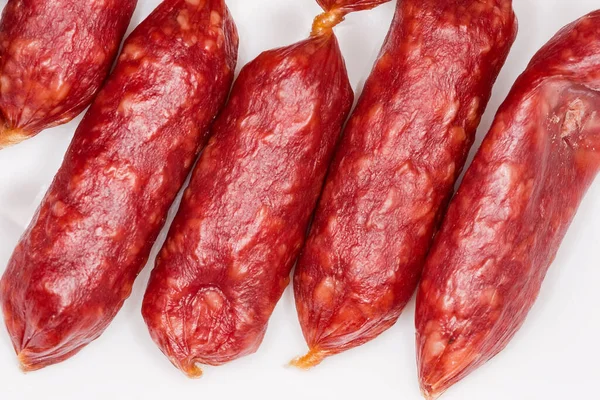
395 169
243 219
507 221
54 56
93 232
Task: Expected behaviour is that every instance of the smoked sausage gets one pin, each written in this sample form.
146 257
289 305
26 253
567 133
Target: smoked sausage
54 56
76 263
244 216
510 214
395 169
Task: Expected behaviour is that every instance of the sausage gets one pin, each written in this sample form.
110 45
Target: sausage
510 214
91 236
243 218
395 169
54 56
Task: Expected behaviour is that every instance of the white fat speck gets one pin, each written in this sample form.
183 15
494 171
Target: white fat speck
24 46
363 163
573 118
59 209
126 105
332 224
99 4
451 112
209 45
214 299
473 115
390 201
215 18
324 291
5 83
446 303
62 288
434 346
244 316
492 297
122 173
238 270
133 51
458 134
61 88
183 19
173 283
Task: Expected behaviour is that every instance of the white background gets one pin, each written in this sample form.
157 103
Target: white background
554 356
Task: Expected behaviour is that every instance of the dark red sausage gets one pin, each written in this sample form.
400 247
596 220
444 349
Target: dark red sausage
505 225
402 151
75 265
54 56
243 219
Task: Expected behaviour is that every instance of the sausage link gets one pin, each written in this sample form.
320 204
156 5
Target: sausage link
395 169
507 221
76 264
54 56
244 216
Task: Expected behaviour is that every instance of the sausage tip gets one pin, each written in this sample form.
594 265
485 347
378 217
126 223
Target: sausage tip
10 137
430 394
190 368
313 358
432 387
25 363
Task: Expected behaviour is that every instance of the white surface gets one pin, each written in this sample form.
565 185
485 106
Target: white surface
554 356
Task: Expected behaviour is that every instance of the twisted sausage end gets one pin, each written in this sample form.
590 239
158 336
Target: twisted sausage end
10 137
325 22
313 358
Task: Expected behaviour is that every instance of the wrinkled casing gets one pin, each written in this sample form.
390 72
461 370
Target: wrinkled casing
92 234
54 56
507 221
243 219
395 169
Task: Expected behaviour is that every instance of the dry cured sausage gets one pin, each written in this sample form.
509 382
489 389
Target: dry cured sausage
510 214
93 232
54 56
390 182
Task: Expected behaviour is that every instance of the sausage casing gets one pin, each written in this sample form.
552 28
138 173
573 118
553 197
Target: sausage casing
510 214
392 176
54 57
